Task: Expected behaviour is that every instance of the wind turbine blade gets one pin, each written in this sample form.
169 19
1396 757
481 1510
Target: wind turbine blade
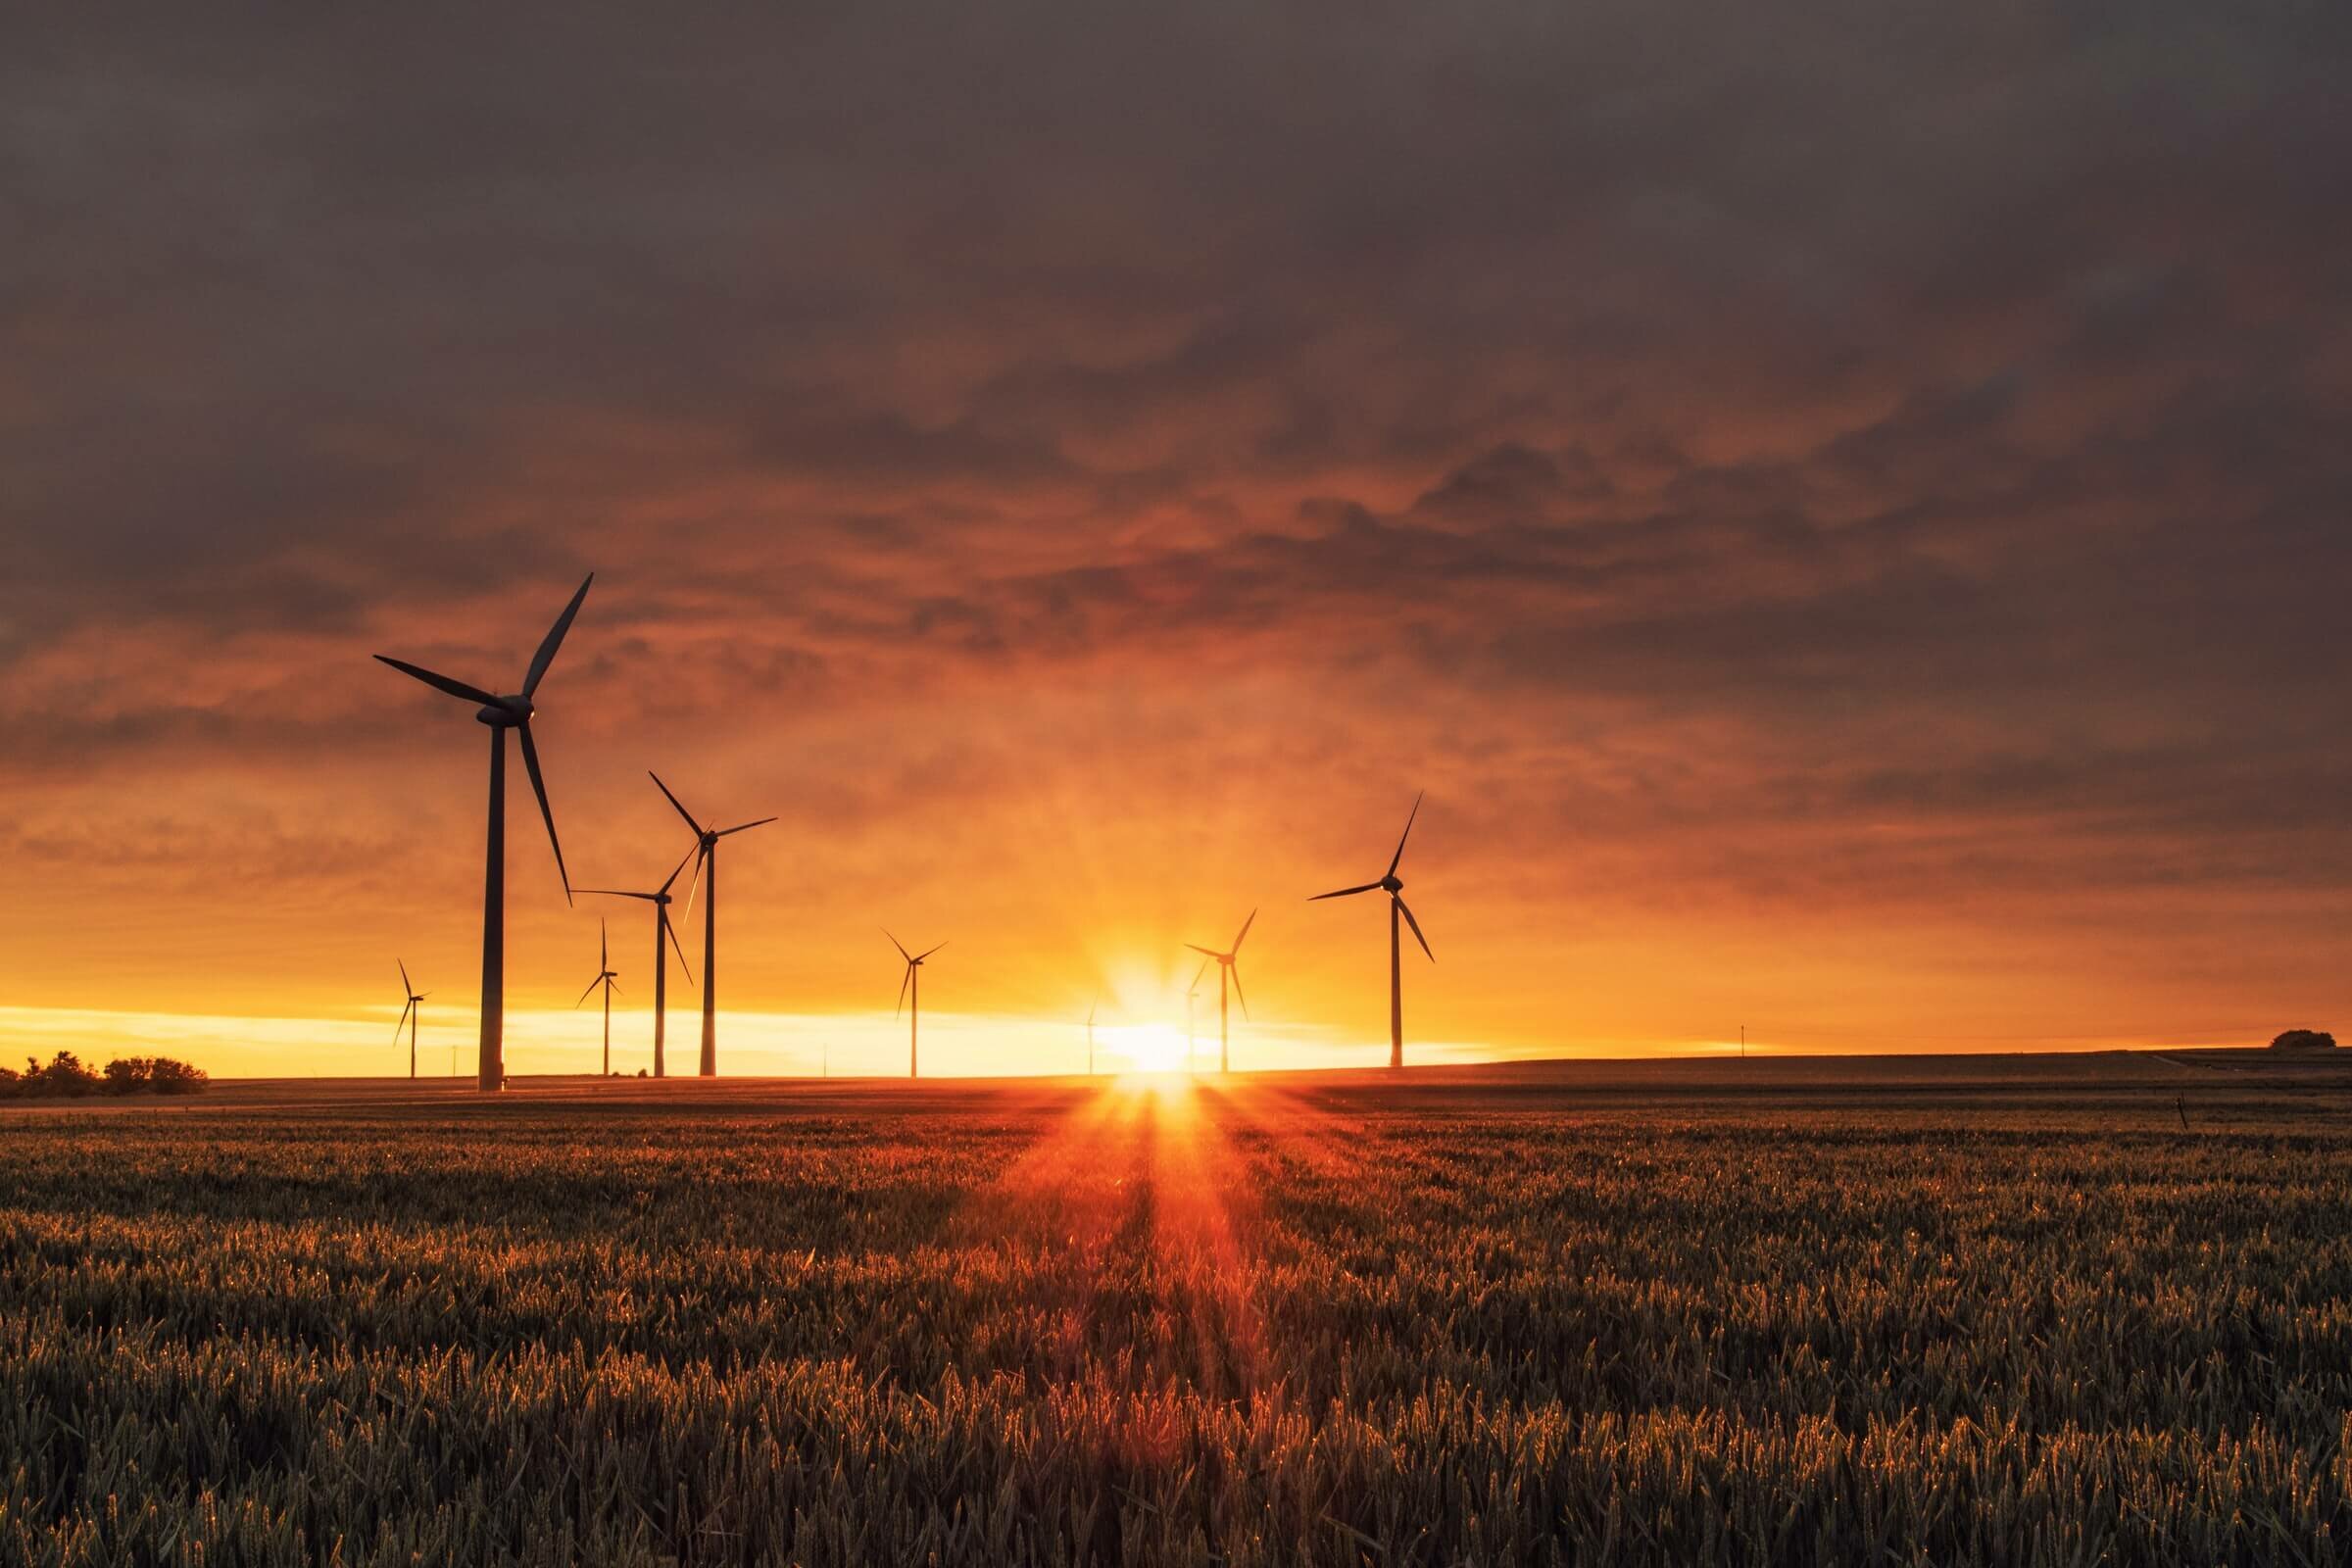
1245 931
617 893
1090 1014
745 827
590 992
554 639
1406 834
614 986
530 761
403 1020
1344 892
900 946
1203 975
927 952
408 986
455 687
682 859
673 800
1234 970
905 981
1416 925
1211 951
673 942
700 853
604 950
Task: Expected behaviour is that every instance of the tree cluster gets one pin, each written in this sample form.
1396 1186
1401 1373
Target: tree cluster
65 1078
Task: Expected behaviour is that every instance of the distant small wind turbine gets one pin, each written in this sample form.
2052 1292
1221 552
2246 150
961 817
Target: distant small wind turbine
1191 994
504 713
706 860
660 899
408 1013
1226 971
912 988
604 976
1394 887
1089 1037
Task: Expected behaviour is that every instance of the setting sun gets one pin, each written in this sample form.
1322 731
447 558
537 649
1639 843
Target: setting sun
1148 1047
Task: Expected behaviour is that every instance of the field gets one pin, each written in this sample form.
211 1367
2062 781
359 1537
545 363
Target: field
1998 1312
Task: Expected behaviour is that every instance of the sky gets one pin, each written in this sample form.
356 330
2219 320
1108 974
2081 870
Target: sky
1842 509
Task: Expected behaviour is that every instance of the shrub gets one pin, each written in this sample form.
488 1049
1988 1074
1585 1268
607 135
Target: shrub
128 1075
64 1078
2304 1040
165 1076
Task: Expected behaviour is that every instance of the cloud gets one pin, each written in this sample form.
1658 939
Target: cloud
1876 453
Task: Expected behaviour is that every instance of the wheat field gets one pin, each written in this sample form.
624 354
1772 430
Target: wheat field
1499 1318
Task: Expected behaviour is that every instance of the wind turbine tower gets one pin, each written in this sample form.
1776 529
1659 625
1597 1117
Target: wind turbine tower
911 991
503 714
706 860
1227 971
408 1013
660 899
1192 993
604 976
1392 885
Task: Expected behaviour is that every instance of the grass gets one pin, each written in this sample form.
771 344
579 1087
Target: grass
1534 1316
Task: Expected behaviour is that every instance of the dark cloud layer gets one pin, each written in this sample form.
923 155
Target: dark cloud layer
1702 437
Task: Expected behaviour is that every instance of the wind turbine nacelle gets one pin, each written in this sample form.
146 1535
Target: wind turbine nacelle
1393 884
507 711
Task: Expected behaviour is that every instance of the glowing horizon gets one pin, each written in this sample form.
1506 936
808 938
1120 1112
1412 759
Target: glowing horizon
755 1045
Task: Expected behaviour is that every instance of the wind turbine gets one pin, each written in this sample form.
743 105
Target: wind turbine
706 854
1394 887
504 713
911 986
1192 993
407 1014
1226 971
660 900
604 976
1090 1038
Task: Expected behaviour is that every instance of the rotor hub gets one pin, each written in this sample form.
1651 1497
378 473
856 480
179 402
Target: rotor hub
506 713
1394 883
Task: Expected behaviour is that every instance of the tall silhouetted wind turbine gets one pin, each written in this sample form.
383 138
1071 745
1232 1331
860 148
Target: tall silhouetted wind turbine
1394 887
408 1013
660 900
1226 971
504 713
912 988
706 860
606 974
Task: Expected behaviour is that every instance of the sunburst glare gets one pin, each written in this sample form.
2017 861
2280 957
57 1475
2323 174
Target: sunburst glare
1146 1046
